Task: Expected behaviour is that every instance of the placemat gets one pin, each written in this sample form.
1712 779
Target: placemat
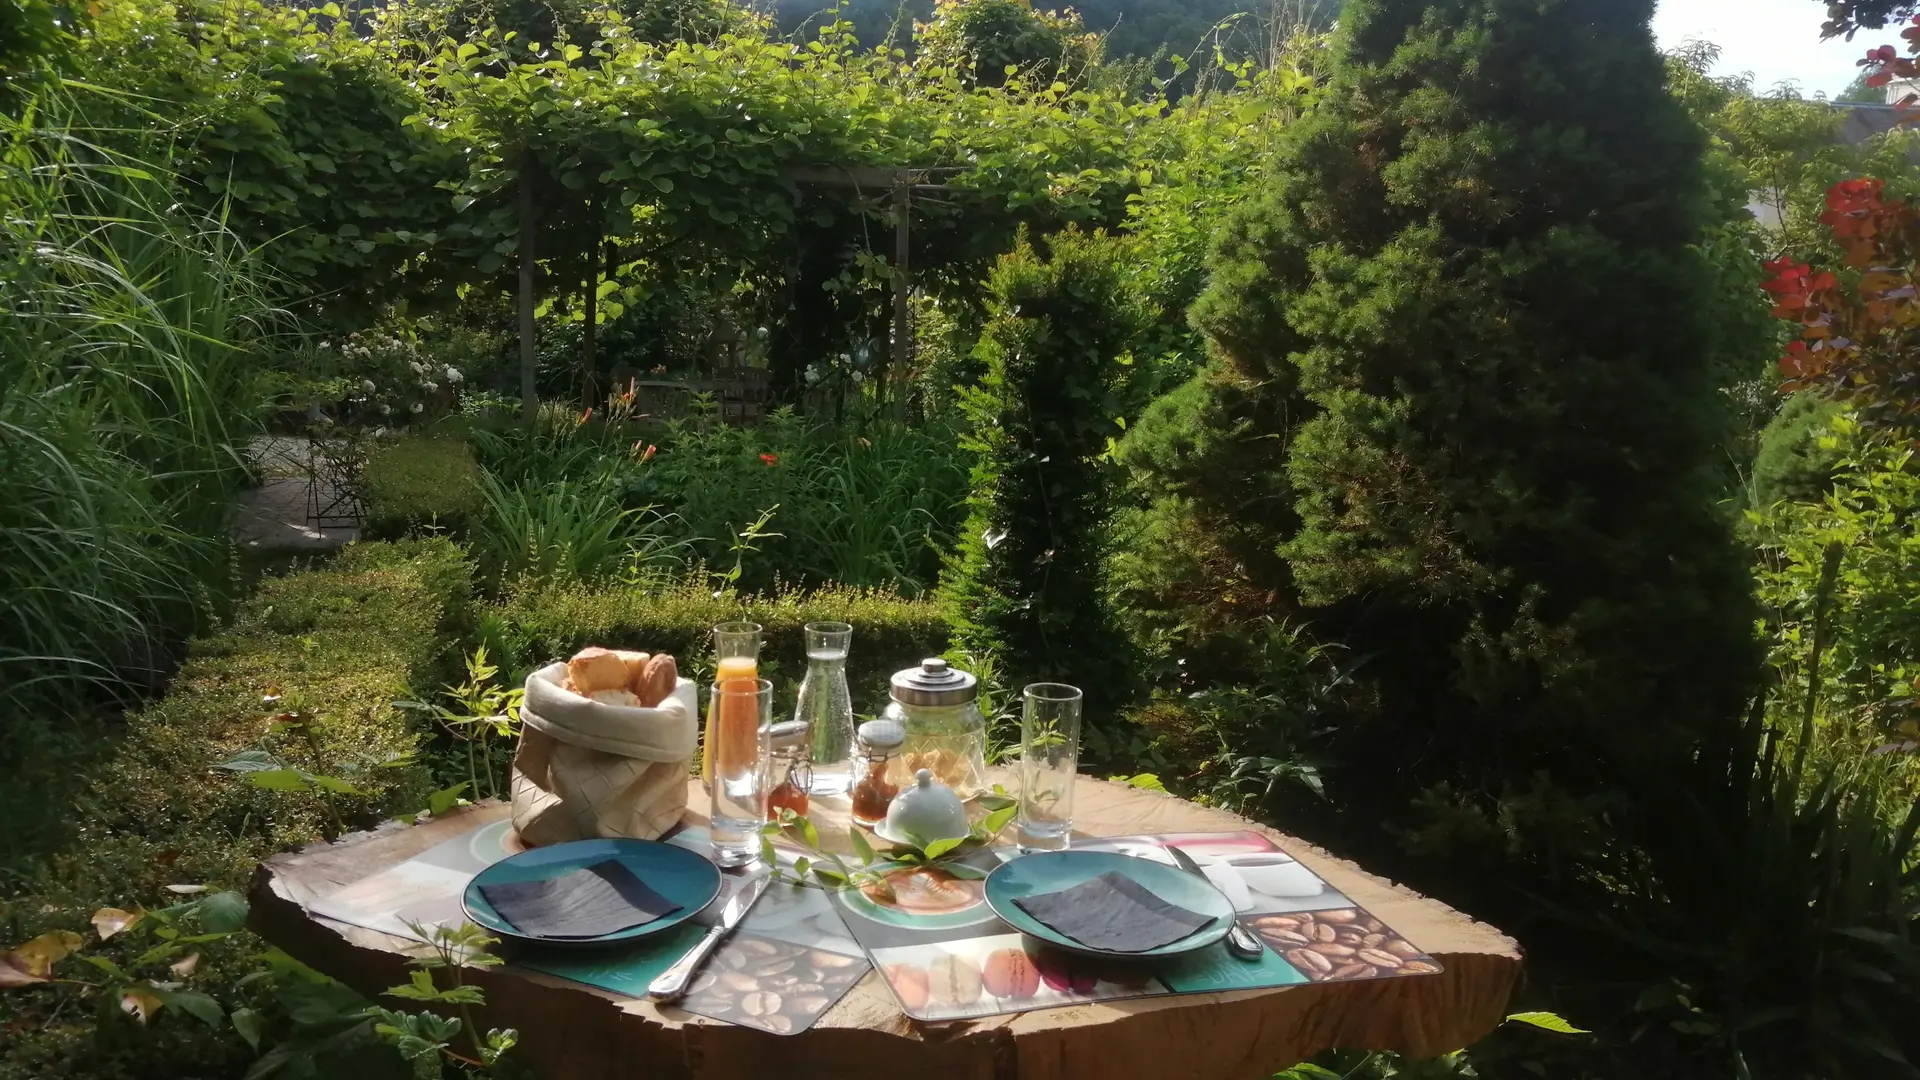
946 956
784 967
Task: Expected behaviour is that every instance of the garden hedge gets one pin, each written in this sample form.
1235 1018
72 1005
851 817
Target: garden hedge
420 482
538 623
341 642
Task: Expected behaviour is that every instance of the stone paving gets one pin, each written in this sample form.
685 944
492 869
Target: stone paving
274 516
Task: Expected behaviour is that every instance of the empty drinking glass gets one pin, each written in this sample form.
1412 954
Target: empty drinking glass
827 707
1049 758
739 722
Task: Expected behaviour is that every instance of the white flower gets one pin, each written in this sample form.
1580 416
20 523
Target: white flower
858 378
453 375
326 345
386 410
430 387
379 432
418 367
366 386
761 333
419 408
813 375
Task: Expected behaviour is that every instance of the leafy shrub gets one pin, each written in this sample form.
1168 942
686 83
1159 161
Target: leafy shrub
1839 585
994 40
537 624
1797 454
338 644
1027 581
420 482
1497 486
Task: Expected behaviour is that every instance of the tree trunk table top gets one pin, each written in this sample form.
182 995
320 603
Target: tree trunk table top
568 1030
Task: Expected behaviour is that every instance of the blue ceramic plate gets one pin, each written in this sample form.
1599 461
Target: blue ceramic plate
674 872
1051 871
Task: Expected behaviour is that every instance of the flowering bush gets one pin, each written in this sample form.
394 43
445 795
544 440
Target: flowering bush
1856 332
391 379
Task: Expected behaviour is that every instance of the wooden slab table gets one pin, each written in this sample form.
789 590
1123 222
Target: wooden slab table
570 1031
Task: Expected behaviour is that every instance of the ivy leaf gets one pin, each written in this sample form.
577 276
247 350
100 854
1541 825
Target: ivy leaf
249 1026
199 1006
223 912
140 1002
32 962
940 847
109 921
278 780
997 820
1547 1021
446 798
860 845
247 761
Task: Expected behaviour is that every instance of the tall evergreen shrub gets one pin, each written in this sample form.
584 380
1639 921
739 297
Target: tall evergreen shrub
1460 415
1025 585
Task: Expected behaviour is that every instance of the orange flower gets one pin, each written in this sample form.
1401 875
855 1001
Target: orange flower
770 460
648 455
584 417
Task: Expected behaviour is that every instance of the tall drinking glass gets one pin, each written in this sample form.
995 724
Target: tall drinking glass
1049 758
740 717
736 655
827 707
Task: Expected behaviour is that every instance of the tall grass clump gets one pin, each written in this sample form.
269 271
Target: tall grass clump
125 406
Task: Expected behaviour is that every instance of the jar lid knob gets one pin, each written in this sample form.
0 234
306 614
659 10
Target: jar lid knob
934 666
923 778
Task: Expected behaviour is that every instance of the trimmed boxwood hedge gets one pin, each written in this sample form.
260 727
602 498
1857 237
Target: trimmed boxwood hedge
537 623
420 482
342 641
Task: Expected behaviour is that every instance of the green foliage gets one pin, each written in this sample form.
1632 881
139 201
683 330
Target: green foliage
1026 584
994 40
125 404
539 624
1858 689
1798 453
1436 403
1777 903
333 647
290 122
419 483
569 530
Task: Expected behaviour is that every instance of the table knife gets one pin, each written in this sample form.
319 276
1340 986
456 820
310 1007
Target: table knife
671 985
1240 940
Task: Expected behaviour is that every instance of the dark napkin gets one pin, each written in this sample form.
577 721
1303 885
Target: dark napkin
1113 912
591 901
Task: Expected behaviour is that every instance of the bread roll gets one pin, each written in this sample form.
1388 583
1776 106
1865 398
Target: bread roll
594 668
657 680
621 696
636 663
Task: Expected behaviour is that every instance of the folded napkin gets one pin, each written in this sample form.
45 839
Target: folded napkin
1115 913
591 901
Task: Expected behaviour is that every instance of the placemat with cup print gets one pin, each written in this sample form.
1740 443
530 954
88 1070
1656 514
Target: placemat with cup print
946 956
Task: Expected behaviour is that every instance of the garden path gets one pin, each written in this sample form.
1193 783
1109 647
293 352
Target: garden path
274 516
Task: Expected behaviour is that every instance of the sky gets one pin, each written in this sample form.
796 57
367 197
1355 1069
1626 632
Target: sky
1775 40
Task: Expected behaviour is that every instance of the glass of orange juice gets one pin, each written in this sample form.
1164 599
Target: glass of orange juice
736 655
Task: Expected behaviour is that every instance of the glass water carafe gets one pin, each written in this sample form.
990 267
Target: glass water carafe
827 707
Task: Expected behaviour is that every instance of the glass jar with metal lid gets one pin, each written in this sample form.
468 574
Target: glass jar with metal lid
939 707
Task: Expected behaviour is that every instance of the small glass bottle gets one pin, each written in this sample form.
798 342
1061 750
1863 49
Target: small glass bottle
791 772
827 707
873 792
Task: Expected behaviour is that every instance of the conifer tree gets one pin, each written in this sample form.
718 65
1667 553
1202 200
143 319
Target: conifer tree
1460 416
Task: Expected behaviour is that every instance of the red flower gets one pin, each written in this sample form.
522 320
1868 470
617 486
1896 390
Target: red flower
770 460
643 456
584 417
